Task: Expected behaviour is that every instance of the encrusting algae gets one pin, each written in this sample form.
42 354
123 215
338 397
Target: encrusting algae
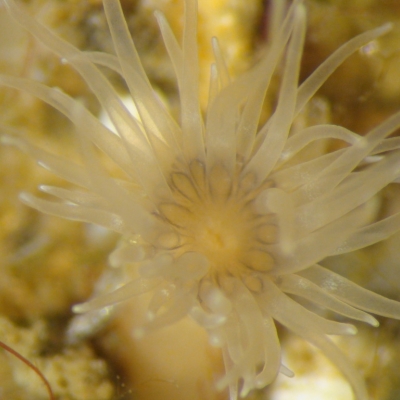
224 221
75 373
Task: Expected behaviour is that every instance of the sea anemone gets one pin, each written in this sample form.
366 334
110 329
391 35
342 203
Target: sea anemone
224 220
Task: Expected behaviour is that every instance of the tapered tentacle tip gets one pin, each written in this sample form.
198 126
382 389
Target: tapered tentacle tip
81 308
26 198
286 371
45 188
158 14
372 321
386 28
351 330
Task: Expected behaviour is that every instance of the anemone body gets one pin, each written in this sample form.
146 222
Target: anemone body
224 220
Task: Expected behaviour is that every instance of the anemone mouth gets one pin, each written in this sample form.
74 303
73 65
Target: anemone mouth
214 213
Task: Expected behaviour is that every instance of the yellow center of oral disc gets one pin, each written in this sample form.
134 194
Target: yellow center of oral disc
221 235
214 216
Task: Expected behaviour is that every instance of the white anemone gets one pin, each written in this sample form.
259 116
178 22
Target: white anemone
224 220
